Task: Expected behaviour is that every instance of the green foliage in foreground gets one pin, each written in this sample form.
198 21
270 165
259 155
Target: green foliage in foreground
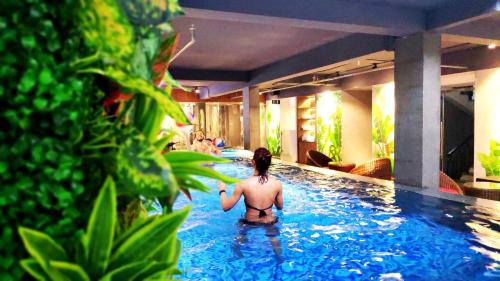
43 107
491 162
58 65
147 250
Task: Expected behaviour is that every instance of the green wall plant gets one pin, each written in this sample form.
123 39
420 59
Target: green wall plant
322 131
335 136
59 65
383 122
329 125
273 140
44 104
491 162
383 126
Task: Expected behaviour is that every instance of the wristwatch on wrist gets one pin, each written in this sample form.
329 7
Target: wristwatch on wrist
220 192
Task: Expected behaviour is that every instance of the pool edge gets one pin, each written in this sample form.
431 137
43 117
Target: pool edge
478 202
424 191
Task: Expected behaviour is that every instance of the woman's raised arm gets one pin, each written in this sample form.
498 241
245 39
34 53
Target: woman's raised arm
228 203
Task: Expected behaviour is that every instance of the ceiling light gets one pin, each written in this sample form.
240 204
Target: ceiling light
492 46
197 90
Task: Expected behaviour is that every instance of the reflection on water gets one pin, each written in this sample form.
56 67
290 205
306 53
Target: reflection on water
337 228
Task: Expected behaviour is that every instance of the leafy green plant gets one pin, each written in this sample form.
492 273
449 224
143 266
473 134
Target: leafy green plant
59 64
329 126
273 141
44 105
137 254
383 126
491 162
132 142
321 135
335 136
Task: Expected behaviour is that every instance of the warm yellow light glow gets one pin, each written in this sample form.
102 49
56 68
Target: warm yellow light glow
494 81
308 128
308 136
328 111
383 100
329 101
492 46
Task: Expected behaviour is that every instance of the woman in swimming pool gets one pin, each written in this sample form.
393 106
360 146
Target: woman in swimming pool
260 192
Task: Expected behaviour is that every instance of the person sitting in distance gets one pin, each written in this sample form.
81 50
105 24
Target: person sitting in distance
200 144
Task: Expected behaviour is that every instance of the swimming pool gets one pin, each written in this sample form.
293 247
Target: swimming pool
339 229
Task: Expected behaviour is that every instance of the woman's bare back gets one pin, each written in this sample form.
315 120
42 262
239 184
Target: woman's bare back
260 191
261 198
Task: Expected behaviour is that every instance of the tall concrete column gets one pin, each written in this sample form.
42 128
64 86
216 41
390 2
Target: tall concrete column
251 118
418 89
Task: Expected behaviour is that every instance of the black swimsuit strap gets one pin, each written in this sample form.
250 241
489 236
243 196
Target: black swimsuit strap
252 207
262 212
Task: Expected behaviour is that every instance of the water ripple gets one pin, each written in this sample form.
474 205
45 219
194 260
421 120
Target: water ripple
341 229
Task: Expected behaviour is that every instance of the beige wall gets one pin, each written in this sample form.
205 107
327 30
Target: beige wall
212 128
356 126
251 120
288 124
234 136
487 113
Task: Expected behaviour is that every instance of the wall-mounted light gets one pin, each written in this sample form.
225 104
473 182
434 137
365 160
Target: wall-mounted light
492 46
197 90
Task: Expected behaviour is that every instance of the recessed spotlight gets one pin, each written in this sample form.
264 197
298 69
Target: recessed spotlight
492 46
197 90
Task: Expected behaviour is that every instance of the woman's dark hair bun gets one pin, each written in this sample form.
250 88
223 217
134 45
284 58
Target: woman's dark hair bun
262 159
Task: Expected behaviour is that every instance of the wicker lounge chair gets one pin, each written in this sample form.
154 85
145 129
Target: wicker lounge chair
341 166
318 159
446 184
378 168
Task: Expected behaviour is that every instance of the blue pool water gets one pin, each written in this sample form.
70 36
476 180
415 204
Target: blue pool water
339 229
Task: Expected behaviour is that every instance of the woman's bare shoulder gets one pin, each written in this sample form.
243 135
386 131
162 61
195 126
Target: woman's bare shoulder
275 181
244 183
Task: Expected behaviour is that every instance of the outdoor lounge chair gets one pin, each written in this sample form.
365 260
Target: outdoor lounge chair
318 159
378 168
446 184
